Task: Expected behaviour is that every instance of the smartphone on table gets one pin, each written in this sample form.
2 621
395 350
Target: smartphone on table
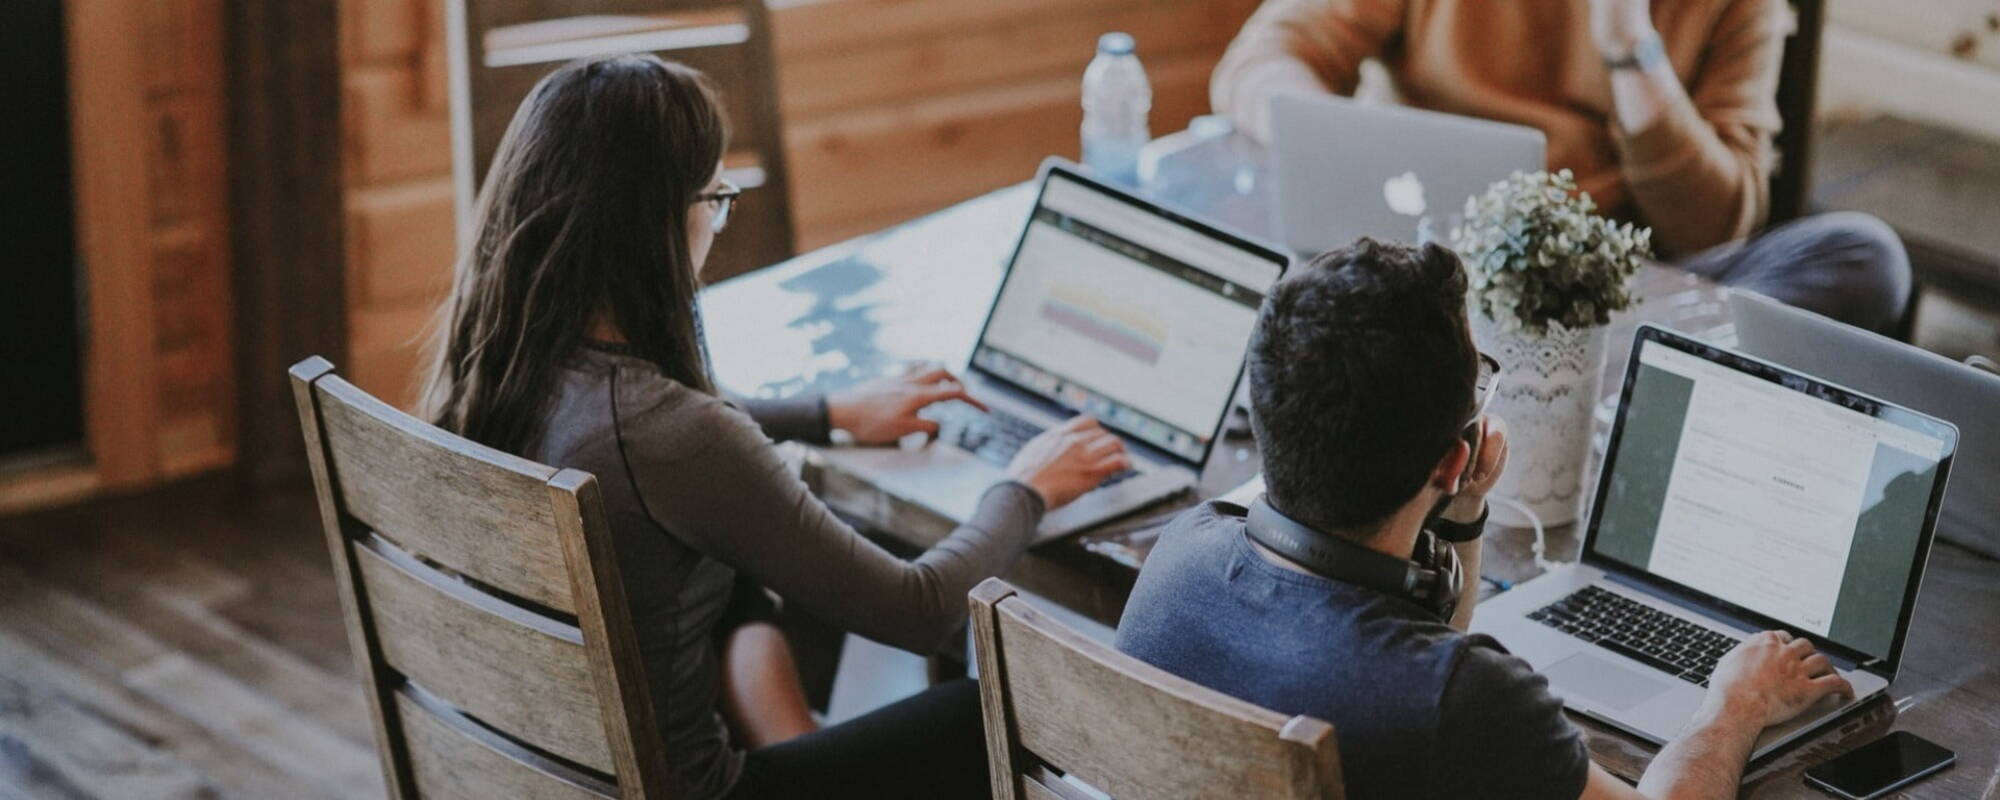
1880 767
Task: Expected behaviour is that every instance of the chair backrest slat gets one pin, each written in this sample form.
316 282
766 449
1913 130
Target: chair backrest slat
484 607
506 667
1058 699
452 757
484 513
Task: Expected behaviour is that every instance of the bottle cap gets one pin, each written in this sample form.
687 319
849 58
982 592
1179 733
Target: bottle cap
1115 43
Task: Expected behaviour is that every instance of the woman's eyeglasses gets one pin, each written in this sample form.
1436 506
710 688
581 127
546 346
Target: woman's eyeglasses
724 200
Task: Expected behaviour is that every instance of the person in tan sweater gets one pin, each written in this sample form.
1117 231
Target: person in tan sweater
1665 111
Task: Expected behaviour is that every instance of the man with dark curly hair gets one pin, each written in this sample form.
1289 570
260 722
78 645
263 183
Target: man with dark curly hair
1362 375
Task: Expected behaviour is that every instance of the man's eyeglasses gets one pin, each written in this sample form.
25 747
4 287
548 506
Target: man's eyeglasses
724 200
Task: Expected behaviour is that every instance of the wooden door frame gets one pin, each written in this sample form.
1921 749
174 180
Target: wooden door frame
107 100
285 232
286 218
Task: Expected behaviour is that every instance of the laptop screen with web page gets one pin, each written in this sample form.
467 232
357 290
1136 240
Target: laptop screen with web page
1772 493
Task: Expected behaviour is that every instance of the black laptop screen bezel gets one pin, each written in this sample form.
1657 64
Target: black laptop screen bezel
1884 665
1054 168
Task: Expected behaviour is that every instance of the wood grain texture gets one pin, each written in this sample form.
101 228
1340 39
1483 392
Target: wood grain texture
1108 719
630 729
483 511
834 26
476 688
878 161
1026 48
286 221
1038 790
388 343
360 635
126 610
107 92
399 246
67 679
53 749
452 760
251 720
388 136
998 722
500 664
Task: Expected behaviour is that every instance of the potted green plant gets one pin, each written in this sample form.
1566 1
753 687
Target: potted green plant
1546 274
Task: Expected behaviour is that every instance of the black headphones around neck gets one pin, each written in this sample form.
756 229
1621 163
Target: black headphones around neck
1432 579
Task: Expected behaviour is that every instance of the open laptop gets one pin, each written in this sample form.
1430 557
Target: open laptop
1736 496
1898 372
1110 305
1343 169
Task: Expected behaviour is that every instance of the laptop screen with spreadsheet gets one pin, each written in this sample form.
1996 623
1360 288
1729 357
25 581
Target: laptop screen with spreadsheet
1119 309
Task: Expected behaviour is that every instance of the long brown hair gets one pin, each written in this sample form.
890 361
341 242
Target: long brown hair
585 210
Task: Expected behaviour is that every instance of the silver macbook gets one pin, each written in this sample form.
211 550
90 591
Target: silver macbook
1343 169
1898 372
1736 496
1110 306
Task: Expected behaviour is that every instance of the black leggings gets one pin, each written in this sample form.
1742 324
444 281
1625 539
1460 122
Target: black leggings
931 745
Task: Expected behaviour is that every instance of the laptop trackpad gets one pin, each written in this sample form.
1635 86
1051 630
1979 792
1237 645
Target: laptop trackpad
1604 682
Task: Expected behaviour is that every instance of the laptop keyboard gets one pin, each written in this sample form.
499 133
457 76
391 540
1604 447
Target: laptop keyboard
1637 631
994 436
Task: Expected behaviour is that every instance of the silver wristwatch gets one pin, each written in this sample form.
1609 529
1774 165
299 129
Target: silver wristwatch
1645 54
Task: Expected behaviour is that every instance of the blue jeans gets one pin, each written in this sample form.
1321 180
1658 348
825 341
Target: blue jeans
1845 265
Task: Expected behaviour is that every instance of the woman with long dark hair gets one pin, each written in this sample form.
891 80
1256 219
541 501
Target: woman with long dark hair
573 337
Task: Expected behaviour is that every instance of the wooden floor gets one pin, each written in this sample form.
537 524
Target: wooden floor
186 643
182 644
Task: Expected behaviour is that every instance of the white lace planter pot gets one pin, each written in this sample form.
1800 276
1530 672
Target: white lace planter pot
1548 389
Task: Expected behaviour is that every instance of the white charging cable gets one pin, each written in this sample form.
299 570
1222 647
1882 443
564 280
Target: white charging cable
1541 546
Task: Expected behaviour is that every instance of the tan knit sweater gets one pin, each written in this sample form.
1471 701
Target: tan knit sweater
1699 174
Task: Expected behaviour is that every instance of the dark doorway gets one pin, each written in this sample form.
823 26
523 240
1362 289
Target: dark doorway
41 373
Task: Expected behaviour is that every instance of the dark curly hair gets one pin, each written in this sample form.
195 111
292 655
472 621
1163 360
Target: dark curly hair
1361 376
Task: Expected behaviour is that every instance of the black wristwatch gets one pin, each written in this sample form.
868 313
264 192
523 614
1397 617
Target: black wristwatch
1456 532
1645 54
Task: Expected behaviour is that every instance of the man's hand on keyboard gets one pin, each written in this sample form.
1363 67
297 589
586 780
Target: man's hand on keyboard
884 410
1065 461
1770 678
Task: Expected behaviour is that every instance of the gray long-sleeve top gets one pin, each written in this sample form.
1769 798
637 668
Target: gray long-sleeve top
695 491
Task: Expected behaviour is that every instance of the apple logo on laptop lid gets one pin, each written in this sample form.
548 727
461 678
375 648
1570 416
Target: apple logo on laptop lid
1405 194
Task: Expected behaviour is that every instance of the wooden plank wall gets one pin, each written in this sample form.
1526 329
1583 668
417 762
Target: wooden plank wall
892 108
399 192
187 189
1940 65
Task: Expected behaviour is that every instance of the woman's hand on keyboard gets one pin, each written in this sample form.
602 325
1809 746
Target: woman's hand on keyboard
884 410
1068 460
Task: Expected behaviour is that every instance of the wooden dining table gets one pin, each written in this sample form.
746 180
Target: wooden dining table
918 292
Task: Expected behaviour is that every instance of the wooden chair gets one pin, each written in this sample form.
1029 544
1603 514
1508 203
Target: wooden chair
1058 703
499 48
483 605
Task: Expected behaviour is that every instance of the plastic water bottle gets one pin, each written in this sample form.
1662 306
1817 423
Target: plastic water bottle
1116 99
